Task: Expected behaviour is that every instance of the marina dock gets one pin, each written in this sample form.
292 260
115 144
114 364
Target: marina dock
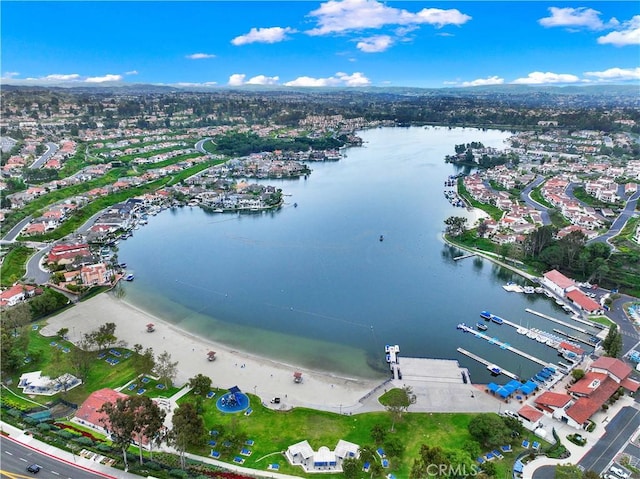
574 338
558 321
502 344
486 363
469 255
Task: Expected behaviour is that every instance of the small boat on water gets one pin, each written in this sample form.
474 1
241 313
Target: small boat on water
381 238
485 315
129 277
529 289
522 330
495 370
481 326
497 319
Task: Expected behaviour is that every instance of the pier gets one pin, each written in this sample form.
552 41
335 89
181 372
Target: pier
574 338
558 321
487 363
469 255
502 345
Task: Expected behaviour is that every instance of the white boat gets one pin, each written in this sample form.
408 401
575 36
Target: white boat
532 335
522 330
129 277
529 289
495 370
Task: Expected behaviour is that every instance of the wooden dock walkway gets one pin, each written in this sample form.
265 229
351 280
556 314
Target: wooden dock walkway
487 363
558 321
502 345
469 255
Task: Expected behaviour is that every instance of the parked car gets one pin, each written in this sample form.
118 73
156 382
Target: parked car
618 471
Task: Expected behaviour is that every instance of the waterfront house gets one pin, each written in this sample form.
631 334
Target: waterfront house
553 404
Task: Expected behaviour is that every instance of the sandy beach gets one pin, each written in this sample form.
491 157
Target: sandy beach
264 377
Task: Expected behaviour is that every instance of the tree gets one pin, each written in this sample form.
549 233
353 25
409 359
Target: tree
539 239
612 344
120 422
166 369
149 422
378 433
200 384
62 332
351 467
188 429
143 362
81 357
455 225
104 336
398 404
482 229
489 430
577 374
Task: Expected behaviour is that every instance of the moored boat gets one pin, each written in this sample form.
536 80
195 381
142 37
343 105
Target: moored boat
497 319
485 315
495 370
481 326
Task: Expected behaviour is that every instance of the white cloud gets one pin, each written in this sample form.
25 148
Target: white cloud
540 78
340 79
375 44
616 74
8 75
200 56
263 35
353 15
575 18
239 79
132 72
236 79
494 80
629 34
104 78
263 80
59 77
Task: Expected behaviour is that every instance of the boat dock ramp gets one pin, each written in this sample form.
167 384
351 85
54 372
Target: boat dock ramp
486 363
503 345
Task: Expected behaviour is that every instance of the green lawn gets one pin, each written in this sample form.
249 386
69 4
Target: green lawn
13 267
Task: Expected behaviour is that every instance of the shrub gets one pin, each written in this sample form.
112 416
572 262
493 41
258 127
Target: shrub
43 426
178 473
83 441
65 434
103 448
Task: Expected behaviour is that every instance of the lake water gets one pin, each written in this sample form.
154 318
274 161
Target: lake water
313 286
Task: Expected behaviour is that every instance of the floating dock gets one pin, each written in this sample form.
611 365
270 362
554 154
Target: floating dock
487 363
574 338
502 344
558 321
469 255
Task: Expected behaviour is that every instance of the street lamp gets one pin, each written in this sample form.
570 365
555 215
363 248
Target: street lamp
340 408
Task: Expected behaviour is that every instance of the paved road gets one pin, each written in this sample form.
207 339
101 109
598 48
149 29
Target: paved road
525 196
619 430
16 457
13 232
51 150
621 220
199 146
33 267
630 336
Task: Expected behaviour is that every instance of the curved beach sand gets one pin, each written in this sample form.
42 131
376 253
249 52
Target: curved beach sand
252 374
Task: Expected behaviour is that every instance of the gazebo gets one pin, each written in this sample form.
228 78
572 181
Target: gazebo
211 355
297 377
151 328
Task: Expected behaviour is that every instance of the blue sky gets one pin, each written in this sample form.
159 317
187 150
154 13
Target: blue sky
326 43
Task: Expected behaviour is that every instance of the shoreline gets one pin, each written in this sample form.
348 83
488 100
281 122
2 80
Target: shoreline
265 377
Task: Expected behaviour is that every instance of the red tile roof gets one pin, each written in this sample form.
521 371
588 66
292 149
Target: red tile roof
613 365
558 278
549 398
589 384
529 413
584 301
630 385
88 412
586 407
